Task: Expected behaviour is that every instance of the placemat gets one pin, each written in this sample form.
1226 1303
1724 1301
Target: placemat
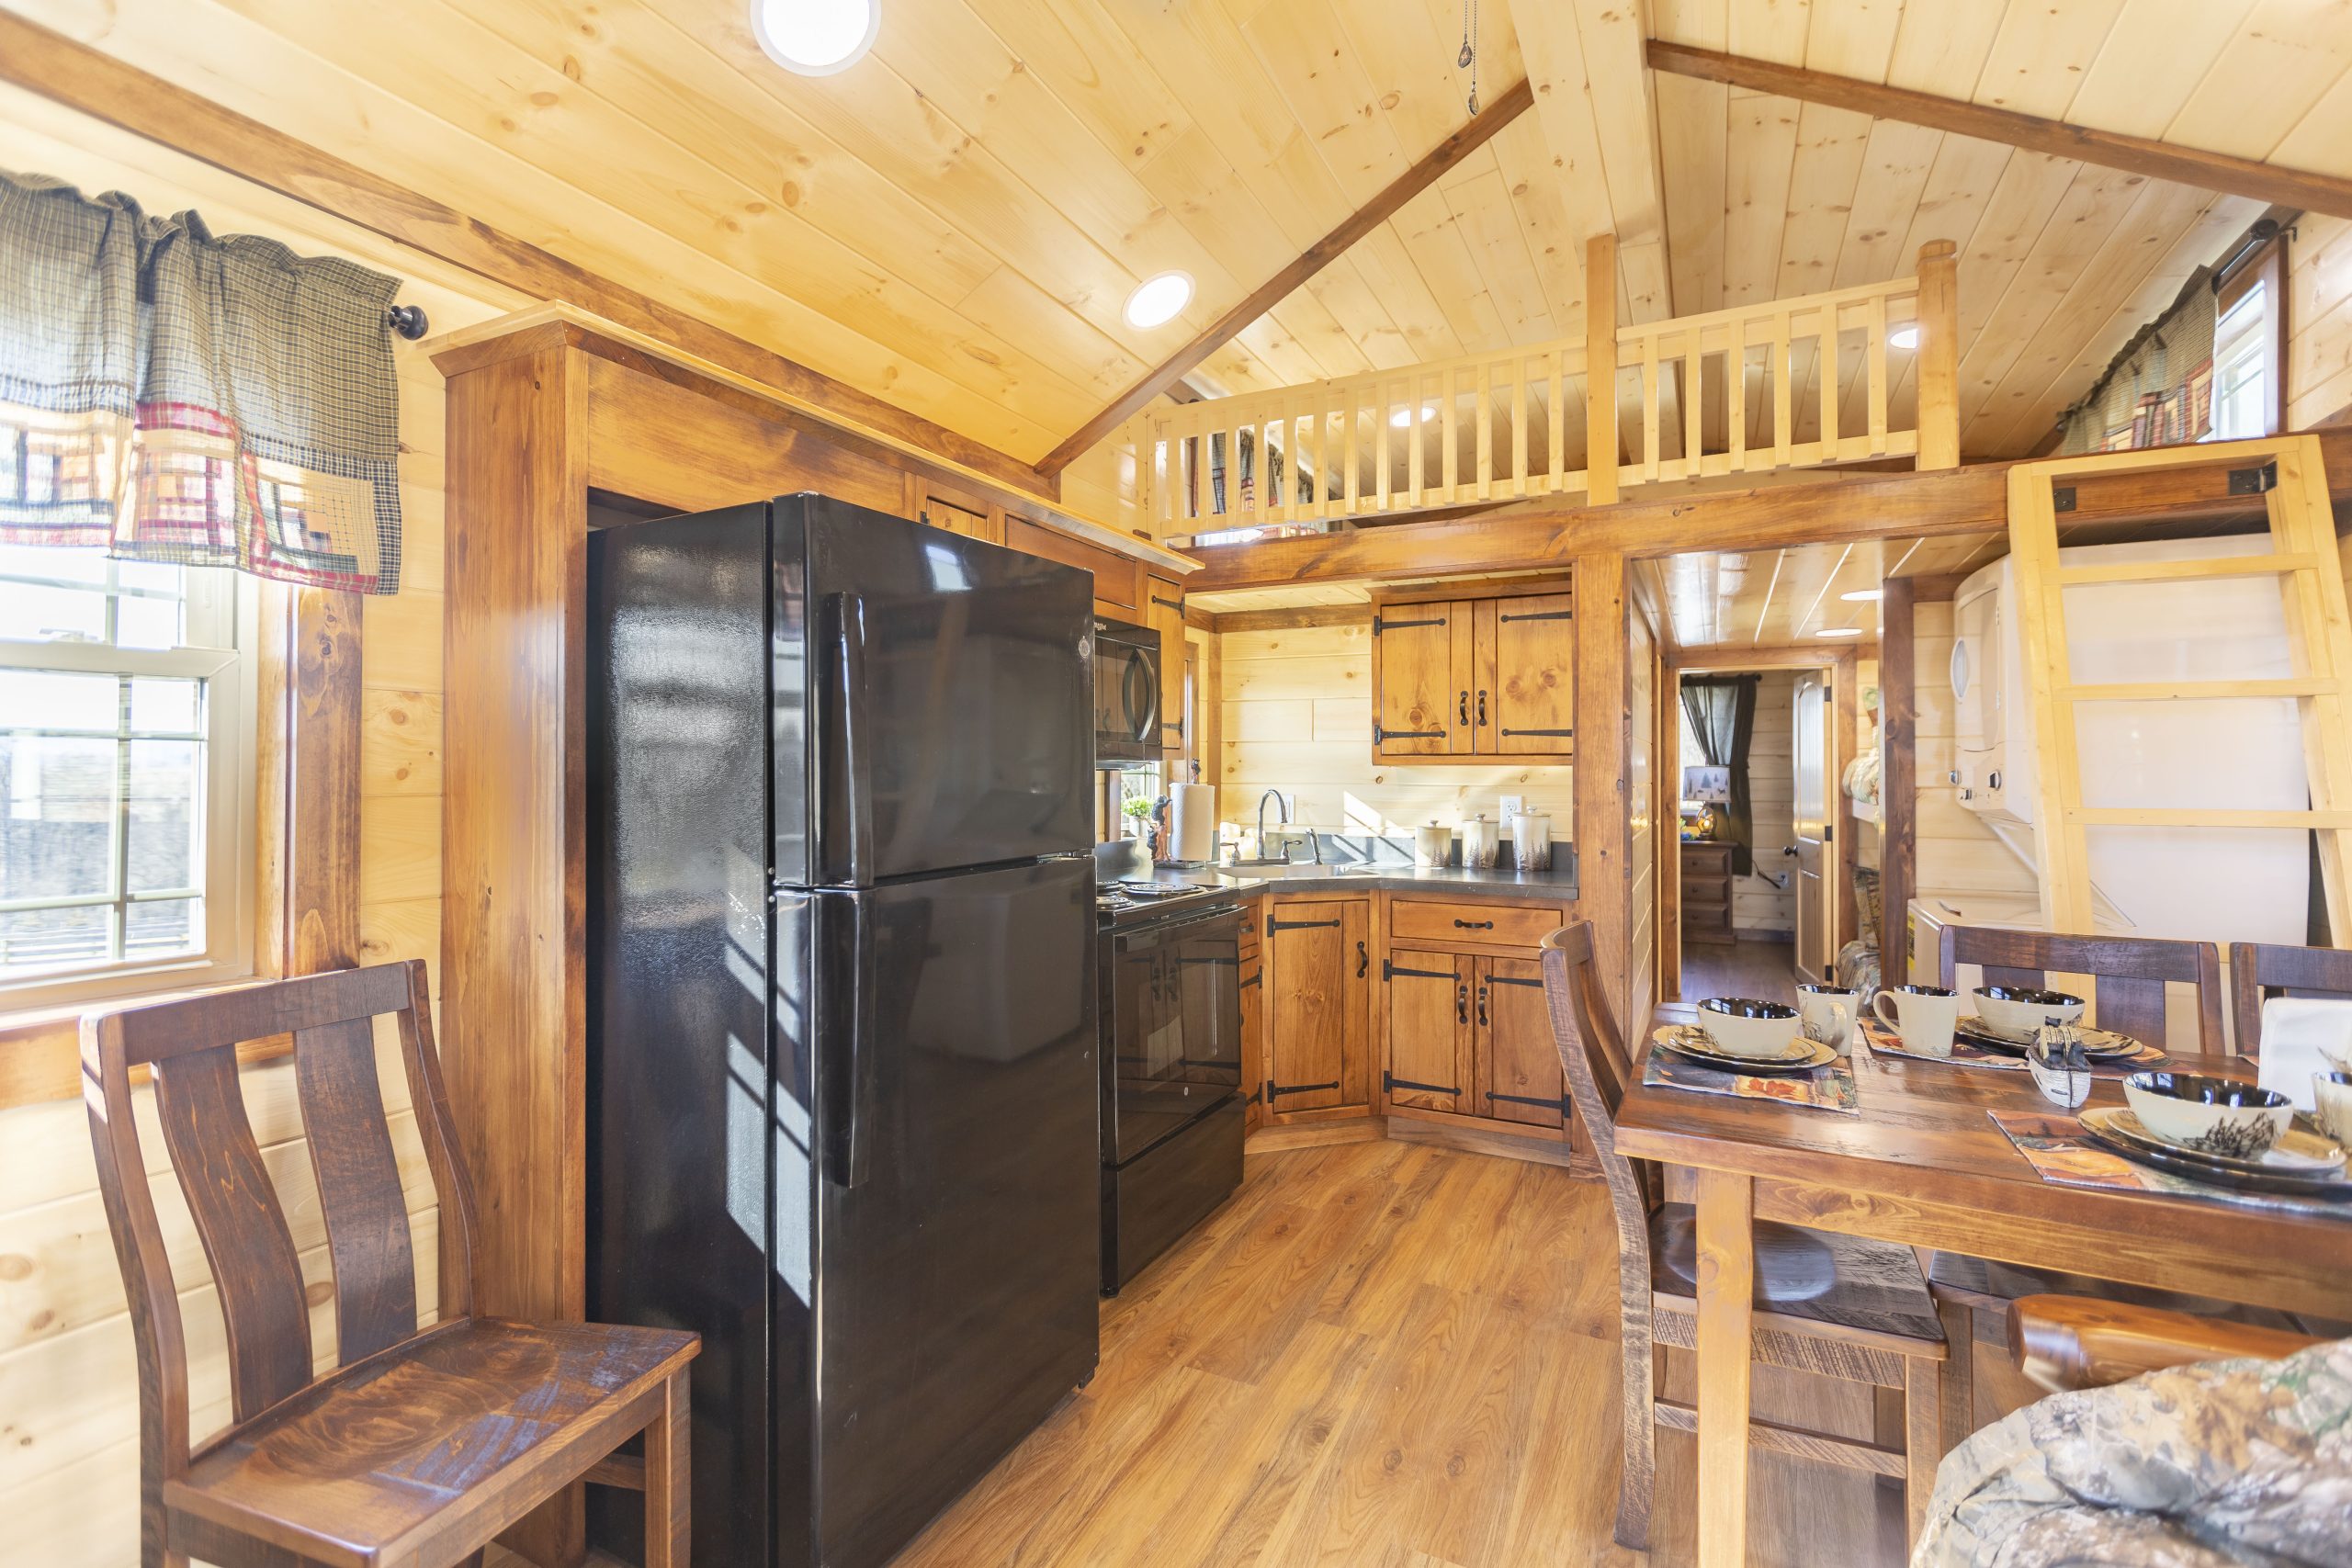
2062 1153
1829 1087
1877 1037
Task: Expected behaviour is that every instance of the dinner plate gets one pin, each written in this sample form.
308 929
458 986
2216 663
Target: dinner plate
2300 1183
2098 1045
1696 1045
2295 1152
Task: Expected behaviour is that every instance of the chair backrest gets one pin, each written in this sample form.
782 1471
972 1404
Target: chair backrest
191 1048
2128 974
1598 1068
2257 968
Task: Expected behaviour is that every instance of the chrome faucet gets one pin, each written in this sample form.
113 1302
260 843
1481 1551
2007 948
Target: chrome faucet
1283 807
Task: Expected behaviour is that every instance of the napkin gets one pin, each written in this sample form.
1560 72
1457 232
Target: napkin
2293 1031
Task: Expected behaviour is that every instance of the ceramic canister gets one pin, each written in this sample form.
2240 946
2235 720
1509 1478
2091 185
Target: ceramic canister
1481 841
1531 840
1433 845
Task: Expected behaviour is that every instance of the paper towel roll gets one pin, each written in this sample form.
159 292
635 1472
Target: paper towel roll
1194 810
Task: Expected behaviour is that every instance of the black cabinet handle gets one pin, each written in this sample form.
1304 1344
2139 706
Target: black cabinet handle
1363 961
1464 701
1482 707
1461 1004
1482 1007
1474 925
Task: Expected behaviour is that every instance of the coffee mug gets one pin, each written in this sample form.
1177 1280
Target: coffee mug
1828 1013
1924 1017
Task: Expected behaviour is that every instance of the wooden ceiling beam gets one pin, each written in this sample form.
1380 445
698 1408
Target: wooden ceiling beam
1275 289
93 83
2106 149
1833 510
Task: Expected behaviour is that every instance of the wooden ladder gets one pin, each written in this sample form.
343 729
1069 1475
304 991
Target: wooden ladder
2303 557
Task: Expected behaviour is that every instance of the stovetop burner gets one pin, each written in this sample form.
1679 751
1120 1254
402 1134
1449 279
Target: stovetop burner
1129 899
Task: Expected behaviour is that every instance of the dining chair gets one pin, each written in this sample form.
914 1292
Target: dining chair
2259 968
2129 975
1836 1305
419 1443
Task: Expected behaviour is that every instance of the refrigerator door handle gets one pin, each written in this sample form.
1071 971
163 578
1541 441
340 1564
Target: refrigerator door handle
848 684
843 1024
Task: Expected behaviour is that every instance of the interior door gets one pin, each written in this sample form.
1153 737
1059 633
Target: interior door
1519 1063
1813 769
1428 1029
1524 699
1423 706
1318 965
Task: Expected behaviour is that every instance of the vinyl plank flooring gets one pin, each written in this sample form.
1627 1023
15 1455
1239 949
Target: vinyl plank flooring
1764 970
1380 1354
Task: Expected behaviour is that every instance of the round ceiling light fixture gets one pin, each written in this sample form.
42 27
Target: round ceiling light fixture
1839 631
1863 595
1158 300
1904 337
815 37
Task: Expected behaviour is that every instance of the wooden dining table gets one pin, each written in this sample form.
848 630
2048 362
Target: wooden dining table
1925 1166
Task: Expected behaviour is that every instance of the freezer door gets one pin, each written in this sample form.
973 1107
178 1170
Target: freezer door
950 684
957 1187
677 1074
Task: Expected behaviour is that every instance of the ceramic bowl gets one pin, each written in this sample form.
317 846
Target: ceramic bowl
2019 1010
1745 1027
2220 1116
2338 1057
2333 1094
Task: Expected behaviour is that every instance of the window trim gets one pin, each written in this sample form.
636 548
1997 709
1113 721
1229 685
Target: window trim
2267 267
222 608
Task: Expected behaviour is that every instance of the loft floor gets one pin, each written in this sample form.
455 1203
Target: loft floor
1384 1354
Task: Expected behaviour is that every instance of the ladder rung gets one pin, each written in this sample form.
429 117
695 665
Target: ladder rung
2158 817
2166 691
2192 570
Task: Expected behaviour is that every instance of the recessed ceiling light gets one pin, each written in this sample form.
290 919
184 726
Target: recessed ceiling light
1404 416
1904 337
815 37
1861 595
1839 631
1156 300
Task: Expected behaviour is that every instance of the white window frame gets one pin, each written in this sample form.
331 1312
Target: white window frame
222 610
2250 338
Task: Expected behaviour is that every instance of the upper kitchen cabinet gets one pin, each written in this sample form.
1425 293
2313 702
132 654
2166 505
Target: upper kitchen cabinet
1165 601
1460 679
1118 579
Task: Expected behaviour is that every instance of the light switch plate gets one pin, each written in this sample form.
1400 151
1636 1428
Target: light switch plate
1513 805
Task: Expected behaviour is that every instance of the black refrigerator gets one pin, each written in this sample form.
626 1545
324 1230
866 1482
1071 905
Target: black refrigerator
840 1011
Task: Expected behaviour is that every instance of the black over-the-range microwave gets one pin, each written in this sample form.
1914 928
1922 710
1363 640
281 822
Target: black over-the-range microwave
1127 692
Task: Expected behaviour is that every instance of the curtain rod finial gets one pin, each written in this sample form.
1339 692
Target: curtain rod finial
410 322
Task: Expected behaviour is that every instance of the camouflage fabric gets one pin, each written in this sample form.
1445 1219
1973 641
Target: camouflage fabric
2228 1463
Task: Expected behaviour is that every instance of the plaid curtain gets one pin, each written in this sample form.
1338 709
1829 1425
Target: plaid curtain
171 396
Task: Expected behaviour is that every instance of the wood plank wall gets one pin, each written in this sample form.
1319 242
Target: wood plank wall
68 1391
1956 853
2319 320
1297 717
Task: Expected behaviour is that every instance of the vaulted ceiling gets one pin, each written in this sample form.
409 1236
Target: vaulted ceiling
954 223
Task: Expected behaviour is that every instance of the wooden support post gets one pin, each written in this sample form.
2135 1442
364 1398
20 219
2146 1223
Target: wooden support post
1726 1284
1601 369
1898 789
1604 836
1939 413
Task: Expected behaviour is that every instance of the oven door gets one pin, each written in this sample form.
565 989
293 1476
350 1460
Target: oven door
1127 692
1175 1027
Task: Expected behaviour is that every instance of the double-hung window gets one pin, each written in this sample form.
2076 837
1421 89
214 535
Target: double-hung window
125 776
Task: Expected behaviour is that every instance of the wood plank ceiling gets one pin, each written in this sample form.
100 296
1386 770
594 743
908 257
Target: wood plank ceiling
954 223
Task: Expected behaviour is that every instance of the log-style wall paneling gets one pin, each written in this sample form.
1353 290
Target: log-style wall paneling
514 1019
88 80
1898 775
307 782
2132 154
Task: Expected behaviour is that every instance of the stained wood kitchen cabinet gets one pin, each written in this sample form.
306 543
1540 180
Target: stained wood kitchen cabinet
1466 1034
1165 600
1317 967
1467 678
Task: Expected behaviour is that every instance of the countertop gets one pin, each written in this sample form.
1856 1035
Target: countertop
1249 881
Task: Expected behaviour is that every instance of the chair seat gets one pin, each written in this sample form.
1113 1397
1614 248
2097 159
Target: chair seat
1980 1281
368 1465
1844 1281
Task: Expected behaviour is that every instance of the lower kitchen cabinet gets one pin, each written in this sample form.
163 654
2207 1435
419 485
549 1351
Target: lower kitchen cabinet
1317 968
1432 1042
1466 1031
1518 1062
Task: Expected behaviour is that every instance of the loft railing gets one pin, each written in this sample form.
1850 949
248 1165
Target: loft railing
1839 376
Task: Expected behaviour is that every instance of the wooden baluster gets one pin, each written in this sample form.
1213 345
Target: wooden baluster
1381 415
1829 372
1600 368
1693 441
1875 331
1310 456
1348 406
1783 394
1939 361
1518 426
1451 465
1555 424
1485 396
1649 408
1735 395
1415 465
